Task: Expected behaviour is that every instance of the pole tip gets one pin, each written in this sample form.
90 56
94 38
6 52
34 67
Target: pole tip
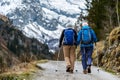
98 70
56 70
76 70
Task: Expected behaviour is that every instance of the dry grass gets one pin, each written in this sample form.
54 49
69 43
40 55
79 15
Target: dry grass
24 68
114 35
98 48
4 18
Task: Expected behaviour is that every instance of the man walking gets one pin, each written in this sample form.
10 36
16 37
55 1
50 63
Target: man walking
68 39
86 38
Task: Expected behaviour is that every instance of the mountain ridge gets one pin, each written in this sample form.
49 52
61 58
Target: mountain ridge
50 15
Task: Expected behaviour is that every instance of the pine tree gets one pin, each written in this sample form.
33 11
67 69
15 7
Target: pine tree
103 15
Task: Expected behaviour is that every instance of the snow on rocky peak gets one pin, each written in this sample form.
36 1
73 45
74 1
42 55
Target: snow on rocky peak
42 19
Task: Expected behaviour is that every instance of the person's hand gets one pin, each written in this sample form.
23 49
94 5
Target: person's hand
75 46
95 44
59 45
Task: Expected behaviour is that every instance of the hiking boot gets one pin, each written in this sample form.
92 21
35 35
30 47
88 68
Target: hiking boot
71 71
68 69
85 71
89 69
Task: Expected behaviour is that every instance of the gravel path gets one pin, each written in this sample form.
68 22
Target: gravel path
50 73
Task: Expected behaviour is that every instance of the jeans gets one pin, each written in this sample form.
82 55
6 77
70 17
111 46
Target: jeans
86 56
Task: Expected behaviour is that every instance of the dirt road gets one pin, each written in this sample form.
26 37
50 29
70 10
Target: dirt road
49 73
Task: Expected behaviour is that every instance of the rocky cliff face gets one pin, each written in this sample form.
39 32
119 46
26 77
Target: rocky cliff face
109 52
16 47
43 19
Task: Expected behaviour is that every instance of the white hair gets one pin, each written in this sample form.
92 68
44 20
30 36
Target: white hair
69 26
84 24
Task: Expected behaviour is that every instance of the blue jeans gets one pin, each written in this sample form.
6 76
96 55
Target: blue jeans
86 56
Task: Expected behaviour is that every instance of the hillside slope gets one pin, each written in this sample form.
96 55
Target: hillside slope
15 47
109 52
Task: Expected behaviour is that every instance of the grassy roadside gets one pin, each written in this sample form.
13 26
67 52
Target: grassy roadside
22 71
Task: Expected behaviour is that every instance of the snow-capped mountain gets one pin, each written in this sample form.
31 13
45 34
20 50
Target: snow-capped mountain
42 19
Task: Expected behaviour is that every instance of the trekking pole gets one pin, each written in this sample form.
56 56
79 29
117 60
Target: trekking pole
76 62
97 59
58 59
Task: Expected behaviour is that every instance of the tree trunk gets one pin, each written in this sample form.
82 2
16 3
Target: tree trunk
117 13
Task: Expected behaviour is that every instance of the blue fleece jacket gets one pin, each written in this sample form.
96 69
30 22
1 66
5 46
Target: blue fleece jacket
79 39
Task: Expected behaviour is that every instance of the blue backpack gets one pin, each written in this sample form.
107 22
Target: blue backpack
86 36
68 37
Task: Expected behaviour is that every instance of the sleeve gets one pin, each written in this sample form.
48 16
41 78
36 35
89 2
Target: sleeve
61 38
79 37
75 37
94 36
